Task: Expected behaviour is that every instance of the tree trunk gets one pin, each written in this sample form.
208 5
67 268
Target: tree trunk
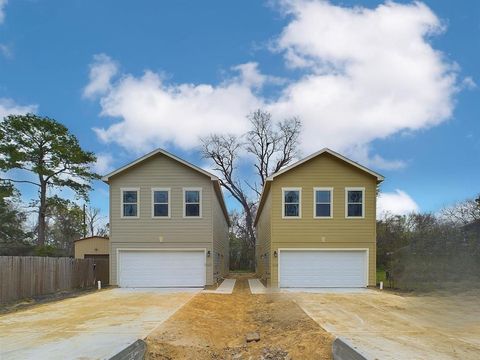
251 235
42 209
249 224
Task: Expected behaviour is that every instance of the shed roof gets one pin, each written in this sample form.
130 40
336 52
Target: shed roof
92 237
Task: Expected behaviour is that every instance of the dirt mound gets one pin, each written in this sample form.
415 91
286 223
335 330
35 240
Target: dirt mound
214 326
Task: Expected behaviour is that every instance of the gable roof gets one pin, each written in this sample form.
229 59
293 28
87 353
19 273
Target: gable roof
331 152
266 187
155 152
215 179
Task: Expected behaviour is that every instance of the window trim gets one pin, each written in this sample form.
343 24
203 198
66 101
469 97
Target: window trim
315 189
299 189
184 202
169 202
122 190
347 189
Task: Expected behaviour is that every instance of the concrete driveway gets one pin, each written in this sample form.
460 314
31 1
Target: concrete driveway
94 326
387 326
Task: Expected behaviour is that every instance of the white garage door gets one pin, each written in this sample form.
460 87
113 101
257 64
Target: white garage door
332 268
161 268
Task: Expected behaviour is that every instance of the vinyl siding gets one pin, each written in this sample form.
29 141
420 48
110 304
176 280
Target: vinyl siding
148 232
263 254
337 232
91 246
220 241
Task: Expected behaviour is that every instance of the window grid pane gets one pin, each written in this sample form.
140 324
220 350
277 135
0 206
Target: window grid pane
323 210
192 203
292 197
291 210
192 209
192 197
292 203
160 197
160 203
130 197
354 196
129 209
323 200
355 203
130 203
323 196
160 210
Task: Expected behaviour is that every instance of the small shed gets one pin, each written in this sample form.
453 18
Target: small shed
98 249
92 247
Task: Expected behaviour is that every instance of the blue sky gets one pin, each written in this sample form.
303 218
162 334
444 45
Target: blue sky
392 86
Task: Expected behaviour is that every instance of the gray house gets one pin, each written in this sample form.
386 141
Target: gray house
168 224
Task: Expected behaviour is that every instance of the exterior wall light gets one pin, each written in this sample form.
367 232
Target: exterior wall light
275 253
208 253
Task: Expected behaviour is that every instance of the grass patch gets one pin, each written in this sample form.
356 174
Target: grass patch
241 271
381 276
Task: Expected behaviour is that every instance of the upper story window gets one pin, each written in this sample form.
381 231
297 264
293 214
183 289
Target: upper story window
192 206
322 202
291 199
355 202
161 202
130 202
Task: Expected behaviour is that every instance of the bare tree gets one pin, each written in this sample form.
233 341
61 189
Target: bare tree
103 231
224 151
274 145
462 213
92 218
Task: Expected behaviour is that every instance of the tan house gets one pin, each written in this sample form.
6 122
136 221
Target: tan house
92 247
316 224
168 224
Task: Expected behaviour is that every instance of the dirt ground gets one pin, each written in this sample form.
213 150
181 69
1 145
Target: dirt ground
214 326
394 326
93 326
28 303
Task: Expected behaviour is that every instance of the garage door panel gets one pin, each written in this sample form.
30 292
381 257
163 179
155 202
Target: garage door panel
161 268
331 268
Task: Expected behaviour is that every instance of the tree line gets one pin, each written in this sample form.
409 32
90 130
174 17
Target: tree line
42 153
427 251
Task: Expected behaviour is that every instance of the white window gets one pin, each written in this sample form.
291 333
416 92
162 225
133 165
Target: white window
130 203
355 202
192 202
291 201
161 202
322 202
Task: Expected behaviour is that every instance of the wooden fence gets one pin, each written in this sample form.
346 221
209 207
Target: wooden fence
29 276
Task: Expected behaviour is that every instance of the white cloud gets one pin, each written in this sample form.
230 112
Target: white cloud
396 203
469 83
3 3
370 73
156 114
6 51
102 70
9 107
104 164
367 74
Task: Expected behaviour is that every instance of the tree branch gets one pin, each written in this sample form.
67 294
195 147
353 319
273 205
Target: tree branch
21 181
